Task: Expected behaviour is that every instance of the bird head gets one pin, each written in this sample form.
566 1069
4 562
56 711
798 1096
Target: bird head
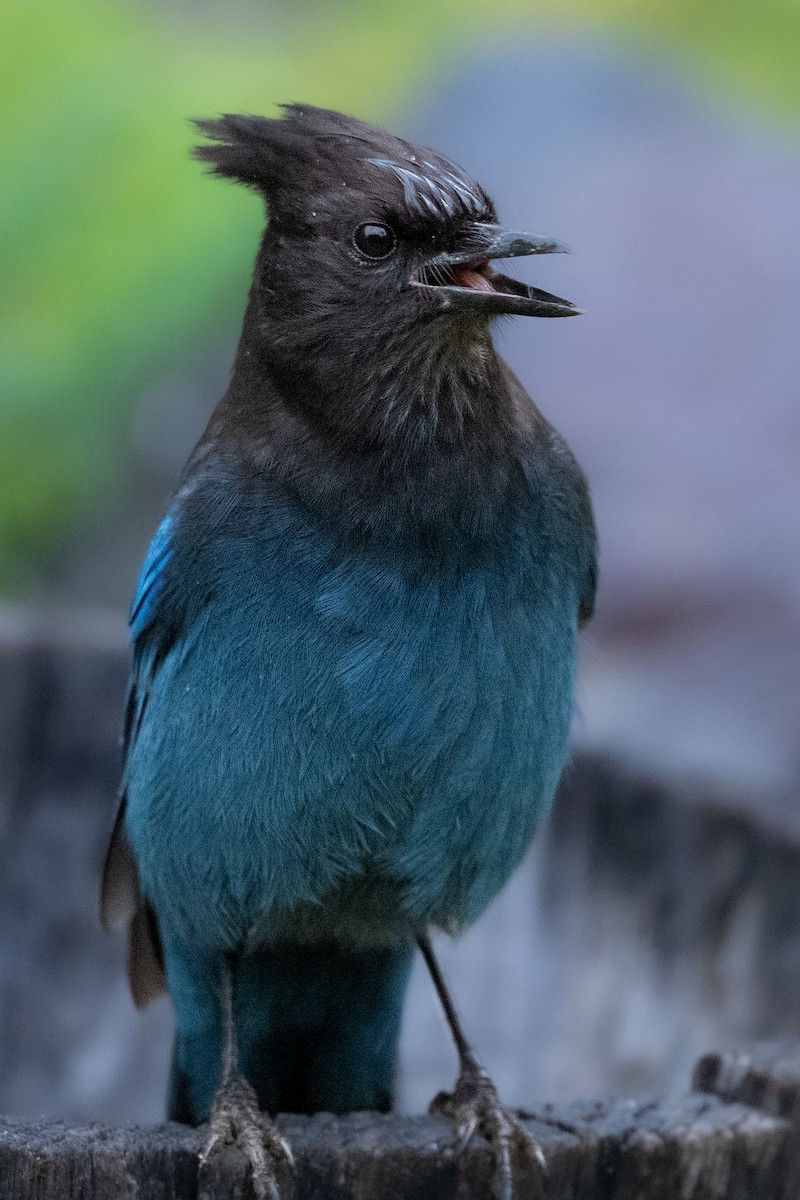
368 231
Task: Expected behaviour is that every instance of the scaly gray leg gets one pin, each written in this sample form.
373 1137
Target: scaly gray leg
474 1105
235 1116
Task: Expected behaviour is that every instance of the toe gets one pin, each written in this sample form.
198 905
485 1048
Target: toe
220 1135
265 1185
502 1181
530 1148
466 1131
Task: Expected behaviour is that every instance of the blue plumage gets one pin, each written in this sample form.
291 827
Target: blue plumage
145 604
354 636
402 711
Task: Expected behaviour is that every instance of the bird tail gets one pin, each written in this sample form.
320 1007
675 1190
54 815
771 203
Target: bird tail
317 1028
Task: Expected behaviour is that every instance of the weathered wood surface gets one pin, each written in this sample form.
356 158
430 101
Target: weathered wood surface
767 1077
694 1148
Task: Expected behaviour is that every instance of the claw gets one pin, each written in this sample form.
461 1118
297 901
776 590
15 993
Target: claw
535 1150
237 1120
286 1150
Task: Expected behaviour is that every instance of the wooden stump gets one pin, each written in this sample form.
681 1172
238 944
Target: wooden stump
699 1147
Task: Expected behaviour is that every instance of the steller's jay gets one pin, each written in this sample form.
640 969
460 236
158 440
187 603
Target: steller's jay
353 642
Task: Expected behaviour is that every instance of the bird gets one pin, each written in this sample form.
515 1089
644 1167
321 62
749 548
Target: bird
353 644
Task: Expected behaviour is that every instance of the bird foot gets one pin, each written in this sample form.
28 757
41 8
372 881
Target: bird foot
236 1120
474 1107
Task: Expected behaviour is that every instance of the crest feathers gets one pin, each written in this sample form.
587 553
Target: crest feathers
247 149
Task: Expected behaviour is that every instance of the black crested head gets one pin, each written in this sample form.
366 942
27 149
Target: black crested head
312 153
376 255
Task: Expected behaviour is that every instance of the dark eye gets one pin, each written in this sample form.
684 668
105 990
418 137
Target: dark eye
374 241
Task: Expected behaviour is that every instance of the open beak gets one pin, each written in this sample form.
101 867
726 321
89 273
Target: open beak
463 278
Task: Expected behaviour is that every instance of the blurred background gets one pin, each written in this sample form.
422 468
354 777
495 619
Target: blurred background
656 916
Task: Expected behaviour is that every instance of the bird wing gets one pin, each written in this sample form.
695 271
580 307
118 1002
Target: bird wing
153 632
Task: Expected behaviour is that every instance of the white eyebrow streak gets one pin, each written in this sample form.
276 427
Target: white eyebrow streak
431 207
466 194
421 192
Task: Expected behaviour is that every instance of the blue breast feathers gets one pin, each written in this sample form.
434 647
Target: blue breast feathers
325 718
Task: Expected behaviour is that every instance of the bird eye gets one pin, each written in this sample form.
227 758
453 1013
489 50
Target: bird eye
374 241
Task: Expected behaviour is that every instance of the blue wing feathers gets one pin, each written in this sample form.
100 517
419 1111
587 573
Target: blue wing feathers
158 556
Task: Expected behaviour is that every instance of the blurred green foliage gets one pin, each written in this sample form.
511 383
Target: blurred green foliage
118 259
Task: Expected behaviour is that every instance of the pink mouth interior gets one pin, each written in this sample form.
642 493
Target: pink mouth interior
474 276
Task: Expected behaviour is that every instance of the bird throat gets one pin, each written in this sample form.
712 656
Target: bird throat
409 394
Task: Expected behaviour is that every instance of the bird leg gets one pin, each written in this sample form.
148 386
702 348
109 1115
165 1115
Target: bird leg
235 1116
474 1105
